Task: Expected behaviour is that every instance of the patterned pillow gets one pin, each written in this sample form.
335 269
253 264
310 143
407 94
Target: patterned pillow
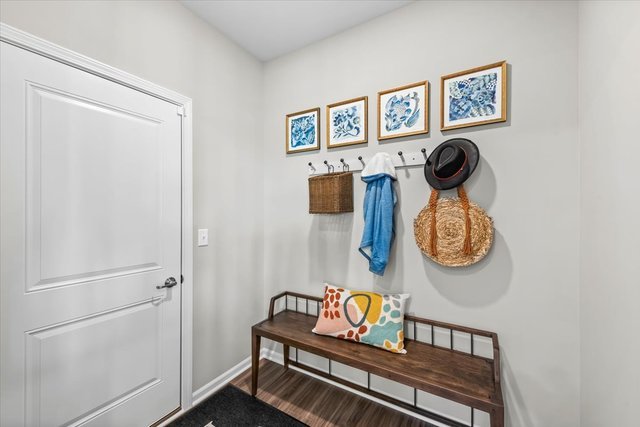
365 317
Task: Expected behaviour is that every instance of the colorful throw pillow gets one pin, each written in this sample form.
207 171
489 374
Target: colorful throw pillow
365 317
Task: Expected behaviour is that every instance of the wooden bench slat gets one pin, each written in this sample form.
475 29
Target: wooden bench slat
450 373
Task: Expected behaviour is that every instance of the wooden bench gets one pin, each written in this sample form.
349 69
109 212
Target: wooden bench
463 377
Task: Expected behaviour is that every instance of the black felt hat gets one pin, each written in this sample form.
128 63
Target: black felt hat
451 163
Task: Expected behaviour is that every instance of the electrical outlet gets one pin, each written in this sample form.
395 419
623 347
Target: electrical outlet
203 237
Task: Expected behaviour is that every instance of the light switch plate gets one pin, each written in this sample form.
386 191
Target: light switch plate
203 237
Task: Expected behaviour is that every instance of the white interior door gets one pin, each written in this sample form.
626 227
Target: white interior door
90 224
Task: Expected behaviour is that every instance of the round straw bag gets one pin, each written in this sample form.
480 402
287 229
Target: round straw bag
451 247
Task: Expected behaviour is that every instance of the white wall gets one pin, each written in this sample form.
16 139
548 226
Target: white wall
528 181
165 43
610 206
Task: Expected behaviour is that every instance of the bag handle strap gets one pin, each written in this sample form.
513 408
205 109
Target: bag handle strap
464 201
433 203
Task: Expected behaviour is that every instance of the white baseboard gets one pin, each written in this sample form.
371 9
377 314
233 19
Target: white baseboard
272 355
212 386
217 383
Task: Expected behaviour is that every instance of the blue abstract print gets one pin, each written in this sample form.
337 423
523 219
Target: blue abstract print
346 123
303 131
402 110
473 97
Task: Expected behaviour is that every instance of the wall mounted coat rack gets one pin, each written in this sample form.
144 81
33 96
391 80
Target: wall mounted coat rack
400 160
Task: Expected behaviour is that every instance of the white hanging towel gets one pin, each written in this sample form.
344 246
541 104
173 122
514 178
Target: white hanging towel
380 163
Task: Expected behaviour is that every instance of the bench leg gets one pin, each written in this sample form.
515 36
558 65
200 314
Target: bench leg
255 362
285 353
497 417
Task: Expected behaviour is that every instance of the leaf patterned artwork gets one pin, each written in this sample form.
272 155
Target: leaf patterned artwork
403 111
474 97
347 122
302 131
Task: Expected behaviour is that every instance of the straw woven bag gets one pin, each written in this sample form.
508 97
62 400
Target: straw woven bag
453 232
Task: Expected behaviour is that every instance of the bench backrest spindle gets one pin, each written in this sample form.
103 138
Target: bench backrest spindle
433 324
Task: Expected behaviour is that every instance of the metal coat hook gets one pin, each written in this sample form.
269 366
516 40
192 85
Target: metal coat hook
345 166
424 152
311 166
400 155
329 167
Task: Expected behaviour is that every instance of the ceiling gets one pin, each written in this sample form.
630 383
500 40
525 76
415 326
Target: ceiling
271 28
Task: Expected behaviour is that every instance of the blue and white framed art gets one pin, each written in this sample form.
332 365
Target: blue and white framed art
403 111
303 131
347 122
474 97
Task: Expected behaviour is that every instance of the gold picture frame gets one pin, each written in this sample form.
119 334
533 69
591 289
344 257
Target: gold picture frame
354 123
462 109
395 127
300 143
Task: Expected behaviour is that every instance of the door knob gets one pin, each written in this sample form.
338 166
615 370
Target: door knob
169 283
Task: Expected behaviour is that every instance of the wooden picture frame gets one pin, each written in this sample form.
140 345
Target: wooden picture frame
473 97
303 131
350 127
412 103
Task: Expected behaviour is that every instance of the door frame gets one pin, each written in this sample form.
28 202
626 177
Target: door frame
183 105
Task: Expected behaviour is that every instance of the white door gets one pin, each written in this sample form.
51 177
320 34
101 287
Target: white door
90 225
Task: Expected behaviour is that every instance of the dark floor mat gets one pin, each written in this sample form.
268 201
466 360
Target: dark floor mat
231 407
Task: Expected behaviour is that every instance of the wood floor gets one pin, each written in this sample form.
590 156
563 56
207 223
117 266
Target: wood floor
318 403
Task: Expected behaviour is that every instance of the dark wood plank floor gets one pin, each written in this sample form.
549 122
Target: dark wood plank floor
318 403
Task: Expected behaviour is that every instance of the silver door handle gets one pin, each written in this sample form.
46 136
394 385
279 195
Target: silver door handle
169 283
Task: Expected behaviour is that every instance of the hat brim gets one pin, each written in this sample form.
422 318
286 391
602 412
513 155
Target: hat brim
473 156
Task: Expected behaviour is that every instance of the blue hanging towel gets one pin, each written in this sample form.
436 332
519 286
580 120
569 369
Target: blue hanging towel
379 202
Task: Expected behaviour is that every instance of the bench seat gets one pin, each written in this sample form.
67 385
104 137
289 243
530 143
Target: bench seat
451 374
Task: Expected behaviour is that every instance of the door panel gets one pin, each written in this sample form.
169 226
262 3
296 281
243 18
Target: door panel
92 348
90 225
88 169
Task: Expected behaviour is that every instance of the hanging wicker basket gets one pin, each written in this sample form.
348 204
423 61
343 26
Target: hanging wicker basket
331 193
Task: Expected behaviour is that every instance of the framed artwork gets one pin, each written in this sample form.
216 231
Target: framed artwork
303 131
474 97
403 111
347 122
